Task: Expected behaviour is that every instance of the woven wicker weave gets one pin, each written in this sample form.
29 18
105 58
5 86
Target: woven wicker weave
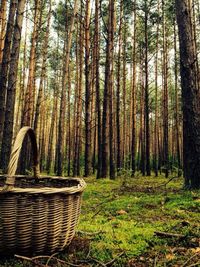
37 216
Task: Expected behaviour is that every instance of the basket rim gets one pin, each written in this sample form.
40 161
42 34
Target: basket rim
45 190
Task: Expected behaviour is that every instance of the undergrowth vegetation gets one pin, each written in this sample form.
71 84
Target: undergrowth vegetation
133 222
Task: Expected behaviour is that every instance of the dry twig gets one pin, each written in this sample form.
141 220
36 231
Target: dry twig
164 234
193 256
33 260
161 185
110 263
90 233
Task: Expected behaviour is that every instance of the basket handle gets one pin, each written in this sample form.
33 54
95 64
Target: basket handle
12 167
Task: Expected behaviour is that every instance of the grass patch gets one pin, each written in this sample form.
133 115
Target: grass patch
122 216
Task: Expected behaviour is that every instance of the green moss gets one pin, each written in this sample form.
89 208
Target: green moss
144 213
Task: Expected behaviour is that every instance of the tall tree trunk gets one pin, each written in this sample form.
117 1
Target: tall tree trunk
93 113
53 126
108 70
69 123
104 168
77 143
60 148
43 71
76 98
3 28
124 96
27 116
142 161
98 107
52 131
5 63
11 91
111 84
119 90
133 144
147 127
22 98
165 96
190 96
178 152
87 92
155 156
93 108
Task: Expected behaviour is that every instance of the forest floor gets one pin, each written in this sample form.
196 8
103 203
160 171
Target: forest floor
132 222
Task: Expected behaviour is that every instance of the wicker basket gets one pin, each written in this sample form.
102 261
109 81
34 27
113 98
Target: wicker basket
37 216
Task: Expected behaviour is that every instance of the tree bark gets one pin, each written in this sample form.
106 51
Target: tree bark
147 126
11 91
87 92
165 96
43 71
156 154
98 107
108 71
119 91
77 143
27 116
142 159
190 96
3 27
133 144
111 84
124 96
177 112
60 148
5 63
52 131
